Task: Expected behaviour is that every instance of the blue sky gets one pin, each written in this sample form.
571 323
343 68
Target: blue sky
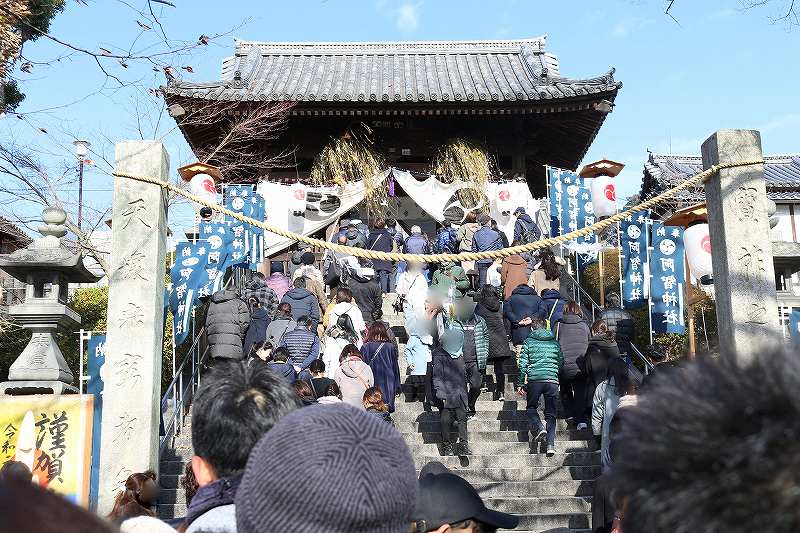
720 67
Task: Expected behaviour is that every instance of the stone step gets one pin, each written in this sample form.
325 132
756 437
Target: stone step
540 505
406 415
509 404
545 522
535 488
170 510
505 448
482 424
514 460
536 473
495 436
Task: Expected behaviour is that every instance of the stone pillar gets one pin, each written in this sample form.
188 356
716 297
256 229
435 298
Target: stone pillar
744 278
132 369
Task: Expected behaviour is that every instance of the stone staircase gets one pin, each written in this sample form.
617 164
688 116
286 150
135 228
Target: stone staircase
548 493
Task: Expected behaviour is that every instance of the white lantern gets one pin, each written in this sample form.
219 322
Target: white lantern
297 199
504 199
604 196
203 185
697 243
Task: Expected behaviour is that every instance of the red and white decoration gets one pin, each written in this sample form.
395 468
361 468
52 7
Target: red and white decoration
297 198
203 185
697 243
504 199
604 196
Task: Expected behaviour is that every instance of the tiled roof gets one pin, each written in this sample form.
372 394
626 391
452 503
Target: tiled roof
442 71
782 173
9 228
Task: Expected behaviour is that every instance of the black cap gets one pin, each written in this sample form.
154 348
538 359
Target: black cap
449 499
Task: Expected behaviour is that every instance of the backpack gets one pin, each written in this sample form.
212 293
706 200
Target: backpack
446 241
333 274
343 329
530 232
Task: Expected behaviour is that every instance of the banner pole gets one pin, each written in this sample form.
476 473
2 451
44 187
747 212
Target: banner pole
602 280
619 266
648 225
689 311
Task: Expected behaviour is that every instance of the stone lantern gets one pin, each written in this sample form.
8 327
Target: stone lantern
47 268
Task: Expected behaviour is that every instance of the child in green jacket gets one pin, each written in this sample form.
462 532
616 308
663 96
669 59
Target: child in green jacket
540 362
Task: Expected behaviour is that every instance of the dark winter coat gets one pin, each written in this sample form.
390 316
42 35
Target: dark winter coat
303 346
227 320
553 307
212 508
380 241
381 415
257 331
526 230
449 379
524 303
621 323
416 244
540 358
283 369
367 294
267 298
600 352
573 335
382 360
481 336
303 303
486 239
490 308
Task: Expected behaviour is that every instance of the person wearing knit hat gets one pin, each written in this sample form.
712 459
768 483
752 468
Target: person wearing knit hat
358 475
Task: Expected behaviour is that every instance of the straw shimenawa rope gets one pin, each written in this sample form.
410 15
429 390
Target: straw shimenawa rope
464 256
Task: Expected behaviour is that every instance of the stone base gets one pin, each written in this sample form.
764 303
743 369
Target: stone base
25 388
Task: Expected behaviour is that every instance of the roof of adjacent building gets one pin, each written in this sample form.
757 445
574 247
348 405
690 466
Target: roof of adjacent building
12 230
422 71
661 172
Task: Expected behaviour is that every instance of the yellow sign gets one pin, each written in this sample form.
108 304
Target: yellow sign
52 435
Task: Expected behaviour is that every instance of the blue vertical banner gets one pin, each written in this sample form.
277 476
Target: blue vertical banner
633 241
555 187
95 357
186 274
585 218
794 326
244 200
667 279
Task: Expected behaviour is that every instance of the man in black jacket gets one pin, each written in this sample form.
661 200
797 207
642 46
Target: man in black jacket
450 390
620 322
366 291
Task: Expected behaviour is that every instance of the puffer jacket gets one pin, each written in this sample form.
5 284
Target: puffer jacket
354 377
279 283
464 236
303 303
442 282
523 303
491 310
284 369
621 323
513 273
267 298
486 240
380 240
573 335
481 334
227 320
553 307
540 358
303 346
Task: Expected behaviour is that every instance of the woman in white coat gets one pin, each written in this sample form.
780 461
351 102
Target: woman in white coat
345 326
412 286
606 402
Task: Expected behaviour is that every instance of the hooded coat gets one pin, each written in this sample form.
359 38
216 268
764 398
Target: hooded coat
257 331
523 303
303 303
573 335
513 273
540 358
227 320
267 298
380 241
526 230
449 378
457 278
553 306
367 294
279 283
600 352
490 308
354 377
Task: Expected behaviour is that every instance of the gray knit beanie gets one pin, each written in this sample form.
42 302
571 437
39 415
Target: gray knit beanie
328 468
